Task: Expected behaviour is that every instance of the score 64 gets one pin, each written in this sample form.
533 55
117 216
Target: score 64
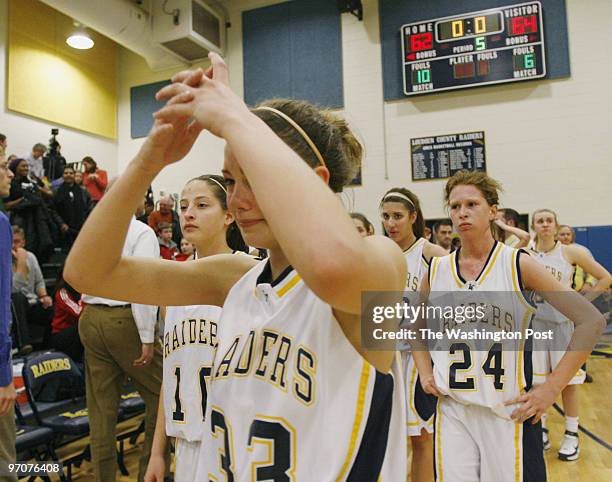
421 41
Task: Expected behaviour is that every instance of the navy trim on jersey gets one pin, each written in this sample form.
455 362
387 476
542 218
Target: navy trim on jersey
425 403
425 259
483 267
435 416
371 455
527 294
528 359
534 467
266 275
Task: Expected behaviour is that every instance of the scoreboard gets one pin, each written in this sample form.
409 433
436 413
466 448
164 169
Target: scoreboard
504 44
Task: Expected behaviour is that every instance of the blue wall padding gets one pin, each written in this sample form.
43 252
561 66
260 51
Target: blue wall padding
142 107
294 50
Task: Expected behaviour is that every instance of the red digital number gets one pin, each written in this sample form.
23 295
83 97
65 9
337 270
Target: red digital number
521 25
423 41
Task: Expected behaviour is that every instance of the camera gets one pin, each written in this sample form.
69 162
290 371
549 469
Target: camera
53 162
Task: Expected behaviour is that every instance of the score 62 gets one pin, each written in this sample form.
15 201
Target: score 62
421 41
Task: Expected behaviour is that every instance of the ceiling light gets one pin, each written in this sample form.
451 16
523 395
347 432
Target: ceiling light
80 39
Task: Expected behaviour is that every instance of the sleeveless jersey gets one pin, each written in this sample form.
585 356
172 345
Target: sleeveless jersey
189 343
291 398
562 271
416 264
485 378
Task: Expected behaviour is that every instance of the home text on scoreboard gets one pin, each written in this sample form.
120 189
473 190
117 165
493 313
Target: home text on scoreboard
504 44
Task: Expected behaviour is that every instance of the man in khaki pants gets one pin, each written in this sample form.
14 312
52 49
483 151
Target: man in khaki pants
119 341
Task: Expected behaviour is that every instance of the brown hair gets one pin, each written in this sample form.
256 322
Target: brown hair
489 187
418 228
340 149
162 226
216 183
365 221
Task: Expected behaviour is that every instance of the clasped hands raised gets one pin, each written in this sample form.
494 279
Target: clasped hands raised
196 100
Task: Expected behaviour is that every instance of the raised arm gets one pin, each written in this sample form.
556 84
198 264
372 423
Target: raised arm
95 264
298 206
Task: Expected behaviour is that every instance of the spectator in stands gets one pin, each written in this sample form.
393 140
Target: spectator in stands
20 328
28 210
166 214
167 247
443 232
7 389
508 231
427 233
64 326
31 284
72 203
78 178
95 180
3 145
187 250
149 207
362 224
35 161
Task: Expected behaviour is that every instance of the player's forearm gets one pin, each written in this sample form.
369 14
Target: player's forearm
100 242
422 359
160 439
567 368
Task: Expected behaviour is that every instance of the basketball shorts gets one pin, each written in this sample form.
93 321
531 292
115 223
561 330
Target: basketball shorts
420 405
472 444
186 460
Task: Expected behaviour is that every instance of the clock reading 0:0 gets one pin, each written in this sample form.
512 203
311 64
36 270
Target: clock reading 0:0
456 29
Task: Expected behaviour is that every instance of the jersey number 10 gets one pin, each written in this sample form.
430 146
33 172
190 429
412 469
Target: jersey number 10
178 415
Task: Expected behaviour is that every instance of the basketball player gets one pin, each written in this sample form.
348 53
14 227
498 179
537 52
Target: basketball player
403 222
289 356
362 224
486 427
560 261
189 339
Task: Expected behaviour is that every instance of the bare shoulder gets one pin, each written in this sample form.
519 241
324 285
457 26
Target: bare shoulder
430 250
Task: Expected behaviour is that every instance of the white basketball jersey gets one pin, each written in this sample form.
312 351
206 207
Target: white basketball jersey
291 398
190 340
485 378
562 271
416 264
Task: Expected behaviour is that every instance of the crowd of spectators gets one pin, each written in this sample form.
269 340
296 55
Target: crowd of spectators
48 203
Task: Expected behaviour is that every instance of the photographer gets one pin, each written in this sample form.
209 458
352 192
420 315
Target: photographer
54 162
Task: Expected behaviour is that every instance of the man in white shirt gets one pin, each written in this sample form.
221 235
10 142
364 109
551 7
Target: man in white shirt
119 340
35 160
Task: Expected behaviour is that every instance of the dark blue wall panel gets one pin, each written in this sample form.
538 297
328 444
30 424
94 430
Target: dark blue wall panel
395 13
142 107
293 49
599 240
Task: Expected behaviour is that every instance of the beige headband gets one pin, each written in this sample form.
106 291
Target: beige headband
217 183
300 131
399 195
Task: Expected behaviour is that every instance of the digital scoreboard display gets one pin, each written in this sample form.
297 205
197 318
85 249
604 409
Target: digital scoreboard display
504 44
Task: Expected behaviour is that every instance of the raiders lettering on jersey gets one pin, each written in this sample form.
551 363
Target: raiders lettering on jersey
274 354
190 332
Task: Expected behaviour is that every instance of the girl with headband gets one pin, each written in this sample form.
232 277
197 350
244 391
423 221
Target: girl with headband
403 222
189 333
289 354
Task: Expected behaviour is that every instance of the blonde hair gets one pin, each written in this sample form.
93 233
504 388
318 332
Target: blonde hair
539 211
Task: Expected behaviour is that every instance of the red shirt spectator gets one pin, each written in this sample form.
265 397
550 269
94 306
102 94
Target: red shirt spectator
94 180
67 311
